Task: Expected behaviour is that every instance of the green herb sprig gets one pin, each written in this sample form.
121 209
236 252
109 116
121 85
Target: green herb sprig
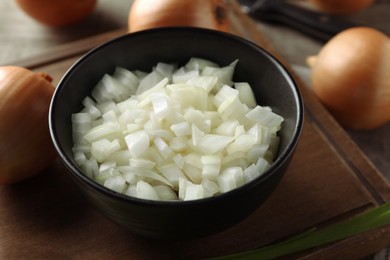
372 219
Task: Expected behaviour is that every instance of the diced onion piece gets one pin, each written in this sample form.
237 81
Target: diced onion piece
227 127
226 93
242 143
132 127
238 158
81 118
182 76
197 118
102 131
110 88
80 157
81 147
256 151
181 129
116 183
149 81
140 74
127 105
165 192
130 177
179 160
172 173
144 173
197 135
174 134
212 143
187 96
161 106
193 167
128 78
137 142
230 179
199 64
194 192
245 94
162 147
103 148
132 190
211 188
262 165
274 145
142 163
92 111
265 117
190 191
211 166
207 83
106 170
166 69
159 87
106 106
211 159
146 191
211 171
224 74
179 144
90 168
250 173
214 117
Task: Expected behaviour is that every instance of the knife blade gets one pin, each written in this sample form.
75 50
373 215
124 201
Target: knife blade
315 24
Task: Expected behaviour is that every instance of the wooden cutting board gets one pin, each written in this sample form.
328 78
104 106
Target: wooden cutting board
329 180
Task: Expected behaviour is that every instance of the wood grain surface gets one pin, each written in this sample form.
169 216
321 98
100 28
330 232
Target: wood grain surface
329 180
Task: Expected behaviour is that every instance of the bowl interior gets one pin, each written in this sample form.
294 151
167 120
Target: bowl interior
271 83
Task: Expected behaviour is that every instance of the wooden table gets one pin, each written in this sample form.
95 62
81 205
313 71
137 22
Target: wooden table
32 213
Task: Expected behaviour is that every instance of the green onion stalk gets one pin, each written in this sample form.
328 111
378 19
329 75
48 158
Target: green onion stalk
372 219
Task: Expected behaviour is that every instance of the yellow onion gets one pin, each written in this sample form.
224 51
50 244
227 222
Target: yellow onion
57 12
25 145
351 76
146 14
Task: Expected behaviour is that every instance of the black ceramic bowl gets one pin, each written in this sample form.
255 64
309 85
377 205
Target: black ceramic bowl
271 84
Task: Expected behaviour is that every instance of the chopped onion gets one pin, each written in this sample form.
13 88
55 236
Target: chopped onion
146 191
175 133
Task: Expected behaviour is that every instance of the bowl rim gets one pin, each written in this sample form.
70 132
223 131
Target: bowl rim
282 158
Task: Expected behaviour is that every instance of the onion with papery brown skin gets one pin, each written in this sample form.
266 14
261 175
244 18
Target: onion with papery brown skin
25 144
341 6
57 13
147 14
351 77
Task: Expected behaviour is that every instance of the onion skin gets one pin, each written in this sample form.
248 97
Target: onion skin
57 13
351 77
146 14
25 144
341 6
